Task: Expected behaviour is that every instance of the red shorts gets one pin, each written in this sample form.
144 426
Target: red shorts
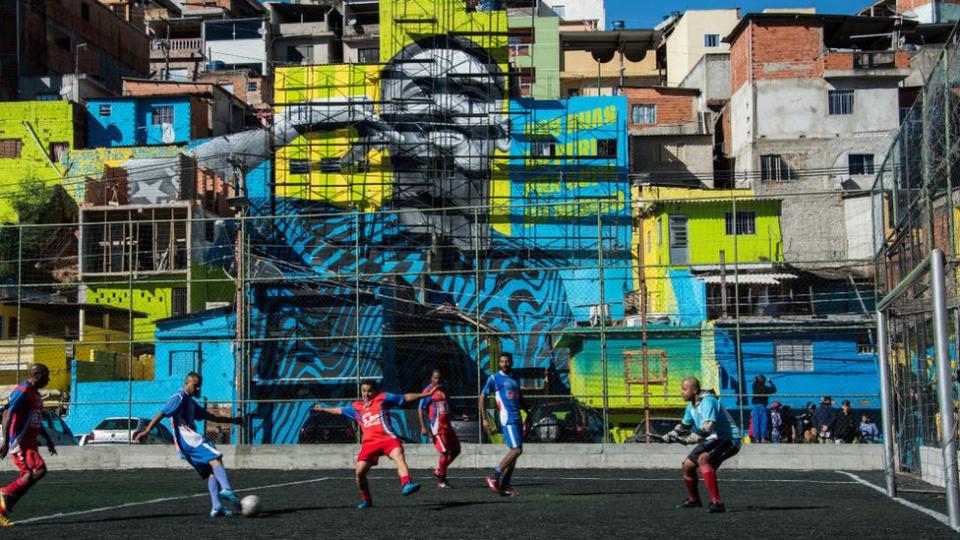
371 452
446 442
27 459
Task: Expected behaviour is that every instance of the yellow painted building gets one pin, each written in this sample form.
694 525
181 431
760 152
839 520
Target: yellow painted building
34 135
47 333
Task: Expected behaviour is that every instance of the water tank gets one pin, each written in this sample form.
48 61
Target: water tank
216 65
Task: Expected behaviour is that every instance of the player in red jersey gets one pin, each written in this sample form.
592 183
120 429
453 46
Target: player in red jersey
21 429
372 414
436 408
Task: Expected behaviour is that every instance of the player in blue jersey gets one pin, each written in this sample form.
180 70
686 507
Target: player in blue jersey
717 439
506 391
195 449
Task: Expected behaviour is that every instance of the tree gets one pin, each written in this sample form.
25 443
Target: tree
45 248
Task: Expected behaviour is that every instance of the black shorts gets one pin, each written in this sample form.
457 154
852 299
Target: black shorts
720 450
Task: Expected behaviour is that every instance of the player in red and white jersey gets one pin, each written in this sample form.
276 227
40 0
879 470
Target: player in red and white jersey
22 428
436 408
372 414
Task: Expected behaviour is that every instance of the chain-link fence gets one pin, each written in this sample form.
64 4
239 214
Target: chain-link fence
915 198
606 304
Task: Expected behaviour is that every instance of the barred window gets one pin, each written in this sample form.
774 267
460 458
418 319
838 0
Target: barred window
860 164
793 355
10 148
607 148
774 167
162 115
299 166
711 40
746 223
841 102
643 113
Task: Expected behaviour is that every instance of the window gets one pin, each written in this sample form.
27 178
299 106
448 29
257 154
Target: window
746 223
860 164
58 150
106 110
864 346
368 56
251 87
299 166
607 148
841 102
330 165
573 92
711 41
793 355
543 149
295 55
10 148
773 167
643 113
162 115
179 306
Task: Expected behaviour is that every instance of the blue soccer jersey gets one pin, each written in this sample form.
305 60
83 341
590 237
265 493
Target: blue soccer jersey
707 409
183 411
507 393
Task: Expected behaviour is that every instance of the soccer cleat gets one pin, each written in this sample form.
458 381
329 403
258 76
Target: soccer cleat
493 484
716 508
6 504
364 504
444 485
5 521
687 503
220 512
509 491
229 497
409 488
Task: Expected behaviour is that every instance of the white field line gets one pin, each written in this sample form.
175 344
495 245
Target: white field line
942 518
160 500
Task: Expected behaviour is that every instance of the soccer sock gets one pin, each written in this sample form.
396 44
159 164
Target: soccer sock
442 466
404 480
507 475
497 473
709 475
214 488
17 488
221 474
691 482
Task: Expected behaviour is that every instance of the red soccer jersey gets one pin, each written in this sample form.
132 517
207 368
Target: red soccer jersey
438 410
26 408
374 416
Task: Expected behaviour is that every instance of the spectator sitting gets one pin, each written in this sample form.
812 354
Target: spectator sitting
823 419
845 425
869 432
788 428
759 419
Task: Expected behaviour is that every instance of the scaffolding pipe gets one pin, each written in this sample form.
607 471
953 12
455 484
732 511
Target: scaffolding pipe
948 438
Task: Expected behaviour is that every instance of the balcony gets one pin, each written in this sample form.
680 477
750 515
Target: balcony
177 44
312 29
854 64
361 32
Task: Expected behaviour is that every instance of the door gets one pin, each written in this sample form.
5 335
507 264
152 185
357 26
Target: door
678 240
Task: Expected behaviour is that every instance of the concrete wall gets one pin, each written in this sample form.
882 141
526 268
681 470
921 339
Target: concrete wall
859 457
679 158
581 10
711 76
685 45
544 55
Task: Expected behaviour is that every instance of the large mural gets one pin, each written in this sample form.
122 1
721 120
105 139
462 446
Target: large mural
413 214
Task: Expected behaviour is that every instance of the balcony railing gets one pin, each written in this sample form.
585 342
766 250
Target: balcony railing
181 44
874 60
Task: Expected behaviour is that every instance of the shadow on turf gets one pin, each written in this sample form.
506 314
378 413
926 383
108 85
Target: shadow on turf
776 508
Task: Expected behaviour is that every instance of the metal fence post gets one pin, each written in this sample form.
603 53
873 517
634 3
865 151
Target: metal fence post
948 439
603 329
886 405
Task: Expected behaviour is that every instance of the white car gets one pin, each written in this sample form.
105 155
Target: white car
56 429
120 430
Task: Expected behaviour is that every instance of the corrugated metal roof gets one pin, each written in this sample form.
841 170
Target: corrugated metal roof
750 279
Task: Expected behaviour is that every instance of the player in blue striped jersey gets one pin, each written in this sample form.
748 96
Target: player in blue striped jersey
506 391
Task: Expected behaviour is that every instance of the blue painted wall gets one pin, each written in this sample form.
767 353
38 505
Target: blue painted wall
199 342
838 369
129 121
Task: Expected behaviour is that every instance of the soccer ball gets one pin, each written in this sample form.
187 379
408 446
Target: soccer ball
250 505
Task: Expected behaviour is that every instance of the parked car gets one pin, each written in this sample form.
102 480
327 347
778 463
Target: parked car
565 421
658 426
322 428
120 430
56 428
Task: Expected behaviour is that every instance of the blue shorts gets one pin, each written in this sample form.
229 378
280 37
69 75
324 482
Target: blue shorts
513 436
196 450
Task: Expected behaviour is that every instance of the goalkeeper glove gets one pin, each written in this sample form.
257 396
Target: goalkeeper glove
692 438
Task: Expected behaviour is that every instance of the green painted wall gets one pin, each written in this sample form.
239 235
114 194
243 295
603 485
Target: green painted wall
209 285
153 297
52 122
707 235
544 54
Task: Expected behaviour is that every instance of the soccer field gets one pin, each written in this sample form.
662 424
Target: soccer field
552 504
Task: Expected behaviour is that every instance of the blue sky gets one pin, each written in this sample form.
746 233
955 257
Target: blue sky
647 13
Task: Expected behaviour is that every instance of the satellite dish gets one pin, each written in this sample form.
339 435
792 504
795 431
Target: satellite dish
167 134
